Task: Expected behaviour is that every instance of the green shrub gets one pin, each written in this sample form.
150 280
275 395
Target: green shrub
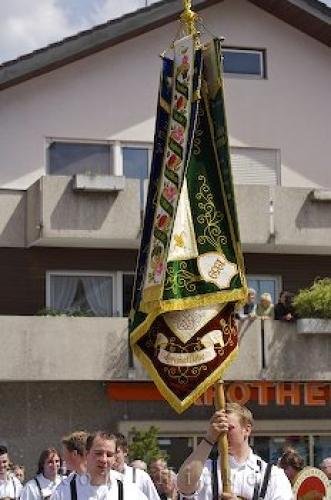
145 446
314 302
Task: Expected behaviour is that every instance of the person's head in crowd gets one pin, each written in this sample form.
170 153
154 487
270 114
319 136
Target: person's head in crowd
325 466
74 451
251 296
139 464
121 452
167 486
157 465
265 300
100 456
19 472
240 420
4 462
285 298
292 463
49 463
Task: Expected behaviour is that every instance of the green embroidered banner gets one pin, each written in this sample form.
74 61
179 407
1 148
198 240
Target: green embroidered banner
183 326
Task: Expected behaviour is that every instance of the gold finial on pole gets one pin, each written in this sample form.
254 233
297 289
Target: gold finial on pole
189 19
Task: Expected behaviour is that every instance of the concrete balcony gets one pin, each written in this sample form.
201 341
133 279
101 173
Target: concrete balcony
36 348
275 352
52 212
60 215
284 220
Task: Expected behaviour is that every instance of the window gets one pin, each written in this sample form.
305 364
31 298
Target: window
271 448
177 448
255 166
94 293
70 158
322 448
265 284
244 62
136 161
80 293
125 290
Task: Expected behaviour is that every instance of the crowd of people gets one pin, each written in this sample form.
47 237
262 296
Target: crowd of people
96 466
265 309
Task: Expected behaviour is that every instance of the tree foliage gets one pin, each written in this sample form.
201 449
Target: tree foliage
144 445
314 302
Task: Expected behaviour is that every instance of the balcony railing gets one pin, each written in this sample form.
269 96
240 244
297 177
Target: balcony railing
274 350
63 348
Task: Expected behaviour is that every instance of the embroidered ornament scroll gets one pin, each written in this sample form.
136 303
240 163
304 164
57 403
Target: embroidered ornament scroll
190 273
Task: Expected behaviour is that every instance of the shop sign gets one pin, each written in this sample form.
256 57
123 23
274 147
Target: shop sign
261 392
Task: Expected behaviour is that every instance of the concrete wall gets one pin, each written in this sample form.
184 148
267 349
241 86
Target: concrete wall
59 216
293 356
12 218
63 348
112 95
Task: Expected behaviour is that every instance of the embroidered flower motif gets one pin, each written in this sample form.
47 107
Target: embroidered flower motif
173 162
177 134
162 222
169 192
181 103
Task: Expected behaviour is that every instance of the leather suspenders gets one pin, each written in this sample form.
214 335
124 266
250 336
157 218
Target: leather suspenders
259 494
73 489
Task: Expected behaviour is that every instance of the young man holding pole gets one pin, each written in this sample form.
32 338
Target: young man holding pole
250 477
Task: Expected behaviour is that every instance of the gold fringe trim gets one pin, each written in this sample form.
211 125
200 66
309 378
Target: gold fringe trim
161 306
178 404
152 294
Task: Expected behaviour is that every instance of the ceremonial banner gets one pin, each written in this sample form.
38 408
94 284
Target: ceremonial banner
311 484
190 273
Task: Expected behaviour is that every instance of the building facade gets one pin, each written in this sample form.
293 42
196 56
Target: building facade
76 133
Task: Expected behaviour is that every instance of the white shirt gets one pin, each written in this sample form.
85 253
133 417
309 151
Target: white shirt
85 491
31 490
243 478
142 480
10 487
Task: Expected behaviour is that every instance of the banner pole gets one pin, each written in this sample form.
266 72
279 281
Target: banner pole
222 442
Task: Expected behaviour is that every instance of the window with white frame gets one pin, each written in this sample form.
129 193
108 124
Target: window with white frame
265 284
94 293
244 62
90 293
136 165
66 157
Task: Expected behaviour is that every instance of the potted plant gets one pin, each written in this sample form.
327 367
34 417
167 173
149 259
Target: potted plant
313 307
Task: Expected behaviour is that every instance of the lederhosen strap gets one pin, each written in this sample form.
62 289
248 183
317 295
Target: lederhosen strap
120 489
73 487
214 478
265 481
39 487
134 474
14 486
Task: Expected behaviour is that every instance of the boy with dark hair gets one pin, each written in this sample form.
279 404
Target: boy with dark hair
100 481
74 451
130 474
10 486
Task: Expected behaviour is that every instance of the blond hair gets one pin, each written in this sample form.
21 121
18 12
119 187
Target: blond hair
244 414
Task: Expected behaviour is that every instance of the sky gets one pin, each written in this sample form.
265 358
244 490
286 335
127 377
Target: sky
26 25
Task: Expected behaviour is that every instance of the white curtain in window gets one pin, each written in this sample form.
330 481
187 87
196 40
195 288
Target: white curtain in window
99 294
63 290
